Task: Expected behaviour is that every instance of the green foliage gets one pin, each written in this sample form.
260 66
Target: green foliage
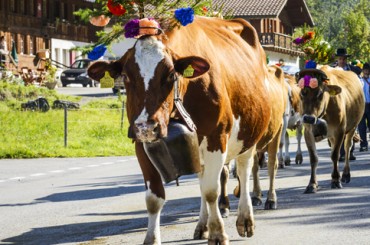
345 24
314 45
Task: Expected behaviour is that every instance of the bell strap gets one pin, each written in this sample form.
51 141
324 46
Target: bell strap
180 107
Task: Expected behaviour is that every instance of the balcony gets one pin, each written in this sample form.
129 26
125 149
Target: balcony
279 43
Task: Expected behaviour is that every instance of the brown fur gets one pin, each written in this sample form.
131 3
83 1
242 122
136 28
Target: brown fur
342 113
234 87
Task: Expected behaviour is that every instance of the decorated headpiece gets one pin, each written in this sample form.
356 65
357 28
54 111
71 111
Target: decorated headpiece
153 17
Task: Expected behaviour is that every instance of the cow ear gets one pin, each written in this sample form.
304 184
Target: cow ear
97 70
192 66
333 89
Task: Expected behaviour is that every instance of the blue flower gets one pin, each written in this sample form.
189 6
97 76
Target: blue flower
184 15
310 64
97 52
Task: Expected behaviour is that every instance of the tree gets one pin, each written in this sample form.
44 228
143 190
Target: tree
344 23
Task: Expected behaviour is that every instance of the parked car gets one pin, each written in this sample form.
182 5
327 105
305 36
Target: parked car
290 69
77 74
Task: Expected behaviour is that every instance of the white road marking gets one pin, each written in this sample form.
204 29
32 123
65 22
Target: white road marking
107 163
17 178
37 174
73 168
57 171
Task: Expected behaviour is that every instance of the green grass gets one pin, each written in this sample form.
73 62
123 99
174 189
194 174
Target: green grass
94 130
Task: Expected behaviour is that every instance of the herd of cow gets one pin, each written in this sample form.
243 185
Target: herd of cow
240 109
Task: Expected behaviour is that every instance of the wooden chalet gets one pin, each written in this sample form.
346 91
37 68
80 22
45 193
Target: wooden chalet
275 21
32 24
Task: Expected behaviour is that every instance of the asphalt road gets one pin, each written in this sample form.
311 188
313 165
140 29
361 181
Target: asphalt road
101 201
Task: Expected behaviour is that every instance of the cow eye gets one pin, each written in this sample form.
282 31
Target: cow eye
303 92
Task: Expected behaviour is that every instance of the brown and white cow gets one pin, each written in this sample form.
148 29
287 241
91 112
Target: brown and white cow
278 93
229 105
338 101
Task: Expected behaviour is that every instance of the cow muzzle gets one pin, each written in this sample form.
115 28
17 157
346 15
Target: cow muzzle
146 132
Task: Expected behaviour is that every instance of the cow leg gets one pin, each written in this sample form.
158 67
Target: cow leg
286 146
299 156
283 142
209 180
245 220
271 201
336 144
223 201
346 176
257 193
311 146
155 195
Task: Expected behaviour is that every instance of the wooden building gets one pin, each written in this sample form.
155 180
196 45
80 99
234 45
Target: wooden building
275 21
33 24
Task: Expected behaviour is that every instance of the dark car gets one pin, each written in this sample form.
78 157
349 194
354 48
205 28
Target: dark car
77 74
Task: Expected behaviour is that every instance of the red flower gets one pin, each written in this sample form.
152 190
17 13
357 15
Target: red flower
205 10
116 8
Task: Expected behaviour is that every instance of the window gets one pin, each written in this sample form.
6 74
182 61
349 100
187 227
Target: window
21 44
31 45
21 7
44 8
12 6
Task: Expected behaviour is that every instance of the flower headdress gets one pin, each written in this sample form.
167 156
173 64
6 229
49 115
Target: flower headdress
153 17
315 48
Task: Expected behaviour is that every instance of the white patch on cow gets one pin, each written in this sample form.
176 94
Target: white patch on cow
267 84
142 118
234 145
148 53
154 203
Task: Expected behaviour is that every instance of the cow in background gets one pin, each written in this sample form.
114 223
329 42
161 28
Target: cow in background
278 93
226 95
336 101
292 121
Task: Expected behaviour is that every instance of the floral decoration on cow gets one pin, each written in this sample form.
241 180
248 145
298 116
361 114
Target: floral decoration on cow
134 19
315 48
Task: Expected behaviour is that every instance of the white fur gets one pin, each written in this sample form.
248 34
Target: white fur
149 52
142 118
234 145
153 234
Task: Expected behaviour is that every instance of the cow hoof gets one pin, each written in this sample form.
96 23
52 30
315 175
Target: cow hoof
336 185
270 205
218 242
298 159
201 232
310 189
287 162
245 226
281 165
256 201
346 178
224 212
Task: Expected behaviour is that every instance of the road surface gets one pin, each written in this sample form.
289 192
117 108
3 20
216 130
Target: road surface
94 201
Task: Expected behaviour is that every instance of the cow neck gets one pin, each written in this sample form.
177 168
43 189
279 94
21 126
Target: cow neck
180 107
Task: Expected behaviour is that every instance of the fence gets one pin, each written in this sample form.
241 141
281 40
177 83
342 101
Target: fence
63 133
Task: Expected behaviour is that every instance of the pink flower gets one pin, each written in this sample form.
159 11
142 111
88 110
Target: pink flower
314 83
301 83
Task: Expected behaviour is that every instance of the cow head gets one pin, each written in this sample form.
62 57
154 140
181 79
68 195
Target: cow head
150 70
315 95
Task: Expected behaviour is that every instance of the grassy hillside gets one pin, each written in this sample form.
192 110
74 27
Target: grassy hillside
93 130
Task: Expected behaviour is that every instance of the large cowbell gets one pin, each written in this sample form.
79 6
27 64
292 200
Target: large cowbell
319 126
175 155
